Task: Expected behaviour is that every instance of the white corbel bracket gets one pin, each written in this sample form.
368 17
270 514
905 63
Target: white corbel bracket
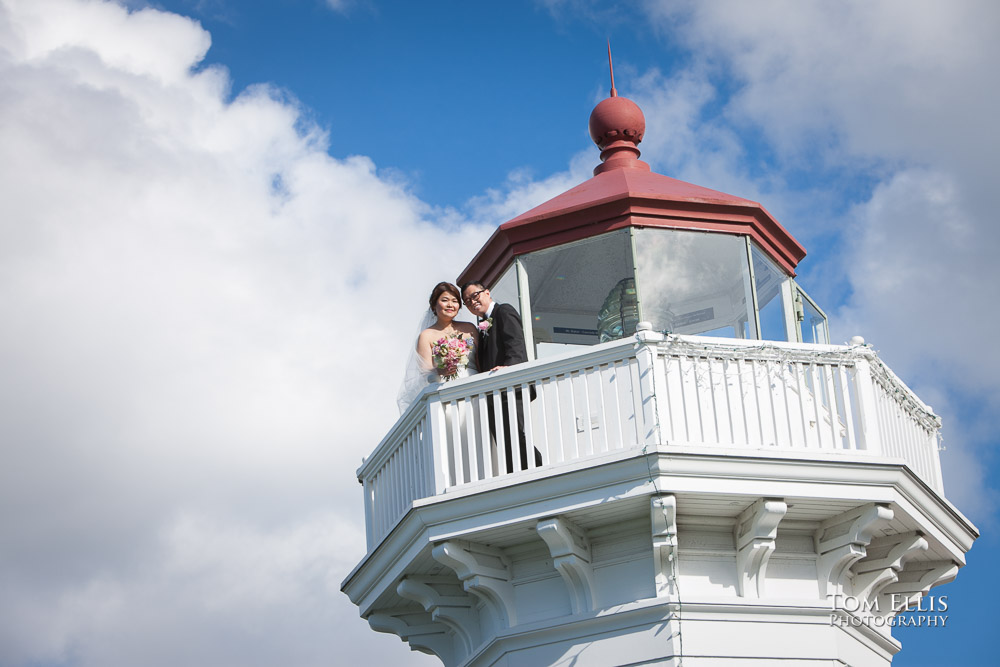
841 541
484 572
885 559
663 512
417 629
754 534
448 604
914 582
570 550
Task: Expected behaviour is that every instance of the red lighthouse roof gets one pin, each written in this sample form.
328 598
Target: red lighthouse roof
624 192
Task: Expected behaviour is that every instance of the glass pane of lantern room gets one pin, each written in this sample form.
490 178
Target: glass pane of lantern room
812 321
694 283
581 293
768 278
504 290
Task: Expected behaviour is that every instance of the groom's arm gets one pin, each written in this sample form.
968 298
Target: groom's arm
511 342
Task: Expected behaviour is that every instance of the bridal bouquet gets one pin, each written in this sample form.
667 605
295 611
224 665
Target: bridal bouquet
450 354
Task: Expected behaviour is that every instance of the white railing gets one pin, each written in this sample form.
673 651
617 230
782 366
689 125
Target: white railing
909 429
673 390
749 395
398 473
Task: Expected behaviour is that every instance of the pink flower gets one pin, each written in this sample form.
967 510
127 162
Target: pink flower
485 325
449 353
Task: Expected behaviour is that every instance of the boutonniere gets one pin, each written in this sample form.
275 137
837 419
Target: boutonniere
484 326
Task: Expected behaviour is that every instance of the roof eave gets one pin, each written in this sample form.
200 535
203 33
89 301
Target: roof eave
528 233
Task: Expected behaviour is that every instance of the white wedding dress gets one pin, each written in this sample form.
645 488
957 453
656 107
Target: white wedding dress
459 414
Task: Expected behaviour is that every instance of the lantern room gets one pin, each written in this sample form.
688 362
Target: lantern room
630 245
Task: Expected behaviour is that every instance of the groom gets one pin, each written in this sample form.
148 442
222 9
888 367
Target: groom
501 345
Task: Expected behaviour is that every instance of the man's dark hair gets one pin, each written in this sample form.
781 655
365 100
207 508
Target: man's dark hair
472 283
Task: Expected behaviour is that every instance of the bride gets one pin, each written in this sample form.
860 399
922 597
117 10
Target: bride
445 350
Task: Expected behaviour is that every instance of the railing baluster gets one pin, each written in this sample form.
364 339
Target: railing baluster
748 378
646 357
859 408
889 445
424 459
572 415
929 444
453 420
914 435
369 514
734 402
635 390
831 392
529 431
495 398
689 392
603 432
553 426
793 413
720 394
897 435
406 469
802 405
609 397
469 432
702 399
515 444
919 443
397 487
897 439
486 447
817 401
845 384
437 442
766 402
779 403
418 478
543 423
793 406
588 430
711 403
391 488
676 428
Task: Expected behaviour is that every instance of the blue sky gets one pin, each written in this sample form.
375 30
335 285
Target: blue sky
219 221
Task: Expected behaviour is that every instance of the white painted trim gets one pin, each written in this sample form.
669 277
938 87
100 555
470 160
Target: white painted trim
524 298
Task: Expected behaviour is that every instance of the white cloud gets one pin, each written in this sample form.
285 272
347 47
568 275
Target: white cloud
889 79
201 306
521 193
341 6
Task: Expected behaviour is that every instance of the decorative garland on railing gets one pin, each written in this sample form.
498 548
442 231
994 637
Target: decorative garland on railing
902 395
768 352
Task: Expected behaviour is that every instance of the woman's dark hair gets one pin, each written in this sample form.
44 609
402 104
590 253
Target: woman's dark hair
440 289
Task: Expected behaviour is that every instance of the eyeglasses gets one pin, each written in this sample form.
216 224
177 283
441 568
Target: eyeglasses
473 297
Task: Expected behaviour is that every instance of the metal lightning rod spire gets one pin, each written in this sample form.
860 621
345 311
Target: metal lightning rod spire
614 93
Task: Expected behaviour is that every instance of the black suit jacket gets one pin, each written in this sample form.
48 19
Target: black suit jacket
503 343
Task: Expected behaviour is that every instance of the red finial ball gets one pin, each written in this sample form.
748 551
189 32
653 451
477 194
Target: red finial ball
615 119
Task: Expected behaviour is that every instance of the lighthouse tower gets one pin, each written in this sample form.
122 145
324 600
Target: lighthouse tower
719 485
